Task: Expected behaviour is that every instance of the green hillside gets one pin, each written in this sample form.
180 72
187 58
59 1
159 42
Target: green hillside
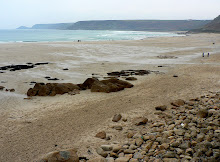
132 25
139 25
212 27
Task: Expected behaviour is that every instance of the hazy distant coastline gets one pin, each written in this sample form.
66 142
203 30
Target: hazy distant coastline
126 25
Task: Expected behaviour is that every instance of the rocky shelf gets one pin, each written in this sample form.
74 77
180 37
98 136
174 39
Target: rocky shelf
51 89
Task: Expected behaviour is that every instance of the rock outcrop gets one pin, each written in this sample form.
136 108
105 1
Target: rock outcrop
20 67
52 89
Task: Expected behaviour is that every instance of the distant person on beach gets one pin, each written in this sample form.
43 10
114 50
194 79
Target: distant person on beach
203 55
208 55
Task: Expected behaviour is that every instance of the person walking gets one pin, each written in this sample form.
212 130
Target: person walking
208 55
203 54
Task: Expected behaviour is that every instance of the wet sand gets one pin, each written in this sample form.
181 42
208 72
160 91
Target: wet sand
31 128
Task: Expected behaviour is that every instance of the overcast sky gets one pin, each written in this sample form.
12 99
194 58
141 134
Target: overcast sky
14 13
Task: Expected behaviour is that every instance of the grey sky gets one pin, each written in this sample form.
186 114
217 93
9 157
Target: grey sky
14 13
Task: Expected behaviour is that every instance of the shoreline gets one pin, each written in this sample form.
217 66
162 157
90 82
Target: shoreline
99 37
73 121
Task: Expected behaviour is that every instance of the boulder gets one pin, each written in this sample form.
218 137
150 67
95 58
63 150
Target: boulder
178 103
89 82
140 121
64 156
116 117
203 113
51 89
1 87
32 92
101 152
12 90
118 82
101 135
98 86
109 85
162 108
131 78
107 147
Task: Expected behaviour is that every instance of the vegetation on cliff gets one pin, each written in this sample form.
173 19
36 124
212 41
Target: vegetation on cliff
132 25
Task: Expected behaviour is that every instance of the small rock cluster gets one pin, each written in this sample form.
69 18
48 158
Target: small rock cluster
129 72
20 67
187 131
51 89
10 90
167 57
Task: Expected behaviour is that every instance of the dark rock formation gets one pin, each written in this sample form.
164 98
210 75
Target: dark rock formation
131 78
161 108
129 72
88 83
42 63
16 67
2 87
110 85
20 67
51 89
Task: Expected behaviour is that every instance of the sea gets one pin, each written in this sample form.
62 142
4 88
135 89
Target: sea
39 35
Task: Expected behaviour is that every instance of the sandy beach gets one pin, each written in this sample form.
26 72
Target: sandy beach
31 128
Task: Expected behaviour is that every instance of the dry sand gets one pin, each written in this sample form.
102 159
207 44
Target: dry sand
31 128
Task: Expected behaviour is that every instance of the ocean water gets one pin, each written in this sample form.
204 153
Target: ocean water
74 35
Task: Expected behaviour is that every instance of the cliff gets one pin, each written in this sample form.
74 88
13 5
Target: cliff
212 27
132 25
61 26
139 25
